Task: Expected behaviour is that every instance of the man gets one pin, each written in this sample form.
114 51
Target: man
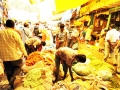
74 44
61 37
11 51
25 32
36 30
102 38
34 44
89 31
110 40
66 56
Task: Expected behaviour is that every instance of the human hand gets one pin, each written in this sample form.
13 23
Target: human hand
54 81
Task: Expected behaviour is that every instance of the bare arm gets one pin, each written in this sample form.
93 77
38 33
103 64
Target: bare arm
66 39
117 44
109 43
57 41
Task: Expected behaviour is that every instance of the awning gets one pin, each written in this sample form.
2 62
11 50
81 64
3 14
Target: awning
85 18
98 5
104 13
62 5
115 9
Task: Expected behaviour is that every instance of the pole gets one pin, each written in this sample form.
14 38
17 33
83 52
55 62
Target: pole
108 22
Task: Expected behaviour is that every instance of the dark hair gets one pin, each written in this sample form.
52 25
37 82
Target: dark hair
81 58
77 26
71 19
62 25
29 22
26 24
10 23
112 26
36 23
43 43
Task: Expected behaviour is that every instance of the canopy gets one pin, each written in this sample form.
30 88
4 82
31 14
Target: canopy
94 6
62 5
105 13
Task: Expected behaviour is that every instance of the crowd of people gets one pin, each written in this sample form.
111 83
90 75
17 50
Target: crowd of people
19 39
16 45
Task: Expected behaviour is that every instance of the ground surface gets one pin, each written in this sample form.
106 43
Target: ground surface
94 50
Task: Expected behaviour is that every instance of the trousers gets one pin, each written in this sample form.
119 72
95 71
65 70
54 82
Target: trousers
109 52
12 69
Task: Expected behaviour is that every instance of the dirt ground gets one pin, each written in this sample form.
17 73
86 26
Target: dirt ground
94 50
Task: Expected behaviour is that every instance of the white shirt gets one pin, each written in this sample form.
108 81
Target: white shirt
25 34
112 35
75 33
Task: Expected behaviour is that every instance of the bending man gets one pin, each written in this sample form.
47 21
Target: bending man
34 44
66 56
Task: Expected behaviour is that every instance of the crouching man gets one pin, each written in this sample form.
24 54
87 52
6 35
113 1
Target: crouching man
34 44
66 56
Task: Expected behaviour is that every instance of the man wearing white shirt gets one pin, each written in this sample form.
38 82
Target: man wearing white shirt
111 37
25 32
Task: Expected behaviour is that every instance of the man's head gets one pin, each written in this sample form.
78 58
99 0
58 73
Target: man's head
10 23
71 20
43 43
26 24
37 24
62 26
39 47
81 58
112 26
78 27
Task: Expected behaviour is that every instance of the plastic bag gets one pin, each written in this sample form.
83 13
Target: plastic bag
82 69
